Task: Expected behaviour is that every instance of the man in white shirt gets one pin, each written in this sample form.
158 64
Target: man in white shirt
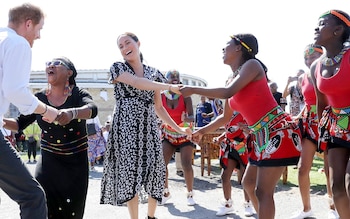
16 40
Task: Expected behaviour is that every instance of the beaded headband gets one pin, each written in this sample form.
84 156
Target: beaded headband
172 73
242 43
338 15
311 50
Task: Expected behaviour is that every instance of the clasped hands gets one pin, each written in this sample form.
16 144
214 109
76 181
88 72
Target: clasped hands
181 89
64 116
195 136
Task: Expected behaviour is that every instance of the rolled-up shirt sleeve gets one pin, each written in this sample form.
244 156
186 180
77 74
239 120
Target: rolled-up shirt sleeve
16 74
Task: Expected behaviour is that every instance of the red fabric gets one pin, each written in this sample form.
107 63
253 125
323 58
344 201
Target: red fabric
177 112
233 134
12 140
310 127
308 91
336 88
232 128
254 101
284 144
168 132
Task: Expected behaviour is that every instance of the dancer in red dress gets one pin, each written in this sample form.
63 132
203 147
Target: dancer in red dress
276 138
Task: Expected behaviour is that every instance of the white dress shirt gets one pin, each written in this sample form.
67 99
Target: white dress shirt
15 69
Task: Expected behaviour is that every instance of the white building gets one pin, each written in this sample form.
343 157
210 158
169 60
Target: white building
96 81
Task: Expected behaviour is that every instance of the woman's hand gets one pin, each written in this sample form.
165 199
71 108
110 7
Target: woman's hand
187 131
244 127
186 91
50 114
197 136
175 88
219 138
64 116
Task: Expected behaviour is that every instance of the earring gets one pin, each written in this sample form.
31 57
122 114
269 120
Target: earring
335 33
67 88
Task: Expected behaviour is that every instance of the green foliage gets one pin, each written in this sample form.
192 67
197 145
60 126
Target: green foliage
316 178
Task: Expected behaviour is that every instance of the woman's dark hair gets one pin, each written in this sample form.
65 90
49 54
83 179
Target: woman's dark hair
249 44
135 38
71 66
250 47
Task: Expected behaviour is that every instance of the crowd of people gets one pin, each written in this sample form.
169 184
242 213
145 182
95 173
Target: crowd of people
153 118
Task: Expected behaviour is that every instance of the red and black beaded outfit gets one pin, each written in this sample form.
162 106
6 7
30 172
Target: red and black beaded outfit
168 133
335 118
62 169
276 138
234 145
309 115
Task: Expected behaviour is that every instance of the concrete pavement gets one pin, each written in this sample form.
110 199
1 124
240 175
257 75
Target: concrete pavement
207 193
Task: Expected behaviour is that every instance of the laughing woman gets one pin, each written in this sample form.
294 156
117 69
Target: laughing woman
62 169
134 157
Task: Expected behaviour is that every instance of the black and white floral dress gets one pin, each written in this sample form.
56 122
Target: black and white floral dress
134 157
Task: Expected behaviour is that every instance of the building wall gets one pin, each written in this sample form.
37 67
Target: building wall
105 107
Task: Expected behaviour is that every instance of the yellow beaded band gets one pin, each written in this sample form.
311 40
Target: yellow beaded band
243 43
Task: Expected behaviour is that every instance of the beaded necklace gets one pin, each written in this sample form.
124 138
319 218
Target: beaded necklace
171 95
236 72
326 61
233 75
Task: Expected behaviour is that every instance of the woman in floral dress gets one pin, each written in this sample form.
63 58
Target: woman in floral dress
134 157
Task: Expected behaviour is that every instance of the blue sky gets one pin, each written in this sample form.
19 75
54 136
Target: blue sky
187 35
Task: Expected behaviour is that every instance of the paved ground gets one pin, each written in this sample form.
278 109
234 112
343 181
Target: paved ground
208 195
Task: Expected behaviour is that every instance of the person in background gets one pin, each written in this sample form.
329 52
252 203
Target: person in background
96 142
32 133
181 111
309 122
216 105
330 76
21 141
105 130
276 137
134 159
24 26
203 113
296 99
62 169
278 95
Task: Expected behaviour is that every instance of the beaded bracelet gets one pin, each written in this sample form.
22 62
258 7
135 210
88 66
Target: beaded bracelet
44 111
74 113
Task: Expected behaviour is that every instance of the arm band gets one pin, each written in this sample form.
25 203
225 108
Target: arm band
44 111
